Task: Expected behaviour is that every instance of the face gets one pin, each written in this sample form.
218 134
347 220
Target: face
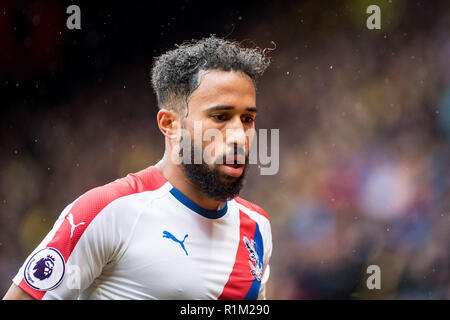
220 122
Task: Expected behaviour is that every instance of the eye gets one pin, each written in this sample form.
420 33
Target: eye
249 119
219 117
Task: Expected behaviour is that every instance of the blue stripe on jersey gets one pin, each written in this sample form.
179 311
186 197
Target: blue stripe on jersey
210 214
253 292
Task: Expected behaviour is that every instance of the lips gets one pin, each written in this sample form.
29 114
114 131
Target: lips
236 168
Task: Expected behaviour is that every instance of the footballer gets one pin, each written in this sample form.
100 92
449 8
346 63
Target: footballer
177 229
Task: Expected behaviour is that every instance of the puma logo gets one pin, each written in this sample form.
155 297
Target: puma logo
168 235
72 225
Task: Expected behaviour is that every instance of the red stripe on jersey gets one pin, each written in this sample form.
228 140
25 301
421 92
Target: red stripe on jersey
32 292
86 208
148 179
240 279
251 206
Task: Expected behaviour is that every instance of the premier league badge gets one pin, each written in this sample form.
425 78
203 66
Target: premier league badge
45 269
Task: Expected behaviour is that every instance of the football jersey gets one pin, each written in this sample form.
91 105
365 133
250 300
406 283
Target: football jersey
141 238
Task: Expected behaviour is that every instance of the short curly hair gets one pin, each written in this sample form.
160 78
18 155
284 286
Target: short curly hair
175 73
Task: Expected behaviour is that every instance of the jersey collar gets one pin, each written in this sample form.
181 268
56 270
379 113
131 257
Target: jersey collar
210 214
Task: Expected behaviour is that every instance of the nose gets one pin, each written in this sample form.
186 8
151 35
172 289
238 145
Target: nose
235 134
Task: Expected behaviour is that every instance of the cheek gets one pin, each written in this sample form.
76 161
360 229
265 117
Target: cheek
249 139
214 147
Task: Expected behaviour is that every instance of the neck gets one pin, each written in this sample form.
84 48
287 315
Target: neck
175 175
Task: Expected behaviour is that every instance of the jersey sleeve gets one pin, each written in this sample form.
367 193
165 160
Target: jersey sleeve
73 254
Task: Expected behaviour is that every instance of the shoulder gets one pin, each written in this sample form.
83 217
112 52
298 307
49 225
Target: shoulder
251 206
91 208
88 205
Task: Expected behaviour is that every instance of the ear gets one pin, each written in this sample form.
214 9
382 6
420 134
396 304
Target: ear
168 123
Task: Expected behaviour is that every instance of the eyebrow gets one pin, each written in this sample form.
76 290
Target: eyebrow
221 108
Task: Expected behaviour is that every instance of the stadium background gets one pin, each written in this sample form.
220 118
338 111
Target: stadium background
364 119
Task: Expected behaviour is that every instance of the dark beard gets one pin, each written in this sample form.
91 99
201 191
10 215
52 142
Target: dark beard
210 182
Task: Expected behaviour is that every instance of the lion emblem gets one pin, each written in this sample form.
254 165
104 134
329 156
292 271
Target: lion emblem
44 267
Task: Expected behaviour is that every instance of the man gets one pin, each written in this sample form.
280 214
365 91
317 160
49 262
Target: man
176 230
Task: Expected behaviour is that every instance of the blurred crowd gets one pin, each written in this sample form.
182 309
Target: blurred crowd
364 179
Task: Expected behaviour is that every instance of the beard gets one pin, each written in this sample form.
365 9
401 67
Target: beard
210 181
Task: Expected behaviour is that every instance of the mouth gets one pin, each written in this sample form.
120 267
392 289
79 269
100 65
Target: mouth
236 168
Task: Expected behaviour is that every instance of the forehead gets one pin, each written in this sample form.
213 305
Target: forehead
217 87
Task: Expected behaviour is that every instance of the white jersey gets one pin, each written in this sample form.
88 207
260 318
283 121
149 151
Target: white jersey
140 238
